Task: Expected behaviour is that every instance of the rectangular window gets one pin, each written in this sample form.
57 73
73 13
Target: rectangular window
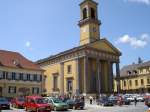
130 82
69 85
142 82
39 78
13 76
24 77
35 90
69 69
17 76
31 77
9 75
12 89
1 75
55 82
136 82
28 77
35 77
21 76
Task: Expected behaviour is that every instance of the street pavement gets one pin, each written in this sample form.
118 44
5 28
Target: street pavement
95 108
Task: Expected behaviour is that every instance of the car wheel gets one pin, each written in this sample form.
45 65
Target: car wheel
55 109
37 110
82 108
25 108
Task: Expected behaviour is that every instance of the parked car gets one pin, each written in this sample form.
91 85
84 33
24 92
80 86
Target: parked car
140 98
56 103
104 101
114 99
126 101
36 104
131 98
4 103
75 104
18 102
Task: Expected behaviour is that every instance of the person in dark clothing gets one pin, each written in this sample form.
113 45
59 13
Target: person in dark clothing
135 101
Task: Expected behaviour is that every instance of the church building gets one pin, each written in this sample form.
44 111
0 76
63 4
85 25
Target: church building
87 68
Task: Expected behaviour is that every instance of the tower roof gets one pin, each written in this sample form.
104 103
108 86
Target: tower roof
88 1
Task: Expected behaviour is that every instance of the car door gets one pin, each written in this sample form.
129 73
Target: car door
50 102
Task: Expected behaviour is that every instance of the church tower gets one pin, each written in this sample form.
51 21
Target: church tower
89 23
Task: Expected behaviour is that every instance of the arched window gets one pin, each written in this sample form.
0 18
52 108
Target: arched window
93 13
84 13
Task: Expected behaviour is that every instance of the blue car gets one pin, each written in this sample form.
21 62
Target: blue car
105 101
4 103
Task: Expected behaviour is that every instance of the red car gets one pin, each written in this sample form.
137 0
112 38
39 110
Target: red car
18 102
36 104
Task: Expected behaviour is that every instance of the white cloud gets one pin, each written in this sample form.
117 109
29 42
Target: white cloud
147 2
135 42
28 44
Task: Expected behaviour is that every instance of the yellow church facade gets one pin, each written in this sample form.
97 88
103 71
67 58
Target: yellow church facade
88 68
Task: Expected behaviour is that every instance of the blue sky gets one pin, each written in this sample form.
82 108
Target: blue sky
40 28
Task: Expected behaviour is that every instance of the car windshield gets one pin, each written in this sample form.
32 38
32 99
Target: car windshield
57 100
40 101
3 99
21 99
70 101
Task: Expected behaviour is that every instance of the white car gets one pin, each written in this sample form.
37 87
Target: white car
130 98
140 98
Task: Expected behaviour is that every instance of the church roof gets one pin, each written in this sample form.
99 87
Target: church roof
131 68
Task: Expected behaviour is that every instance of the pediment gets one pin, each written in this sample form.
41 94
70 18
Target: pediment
105 45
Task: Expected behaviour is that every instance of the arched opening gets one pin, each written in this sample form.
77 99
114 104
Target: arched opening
84 13
93 13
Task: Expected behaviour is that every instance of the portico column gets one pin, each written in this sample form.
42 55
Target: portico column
77 76
110 76
118 76
85 73
62 78
98 75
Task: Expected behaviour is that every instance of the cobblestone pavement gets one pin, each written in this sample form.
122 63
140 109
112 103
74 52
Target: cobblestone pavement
95 108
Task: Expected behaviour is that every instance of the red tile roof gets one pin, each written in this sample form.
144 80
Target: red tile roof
16 60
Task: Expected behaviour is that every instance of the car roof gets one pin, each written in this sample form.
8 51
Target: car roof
34 97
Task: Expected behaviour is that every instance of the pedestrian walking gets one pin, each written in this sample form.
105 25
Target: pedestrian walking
135 101
91 99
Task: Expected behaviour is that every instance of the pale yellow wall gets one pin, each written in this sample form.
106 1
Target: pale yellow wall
72 75
18 84
128 87
49 71
4 83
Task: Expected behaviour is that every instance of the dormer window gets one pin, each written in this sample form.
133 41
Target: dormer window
134 72
16 62
129 72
